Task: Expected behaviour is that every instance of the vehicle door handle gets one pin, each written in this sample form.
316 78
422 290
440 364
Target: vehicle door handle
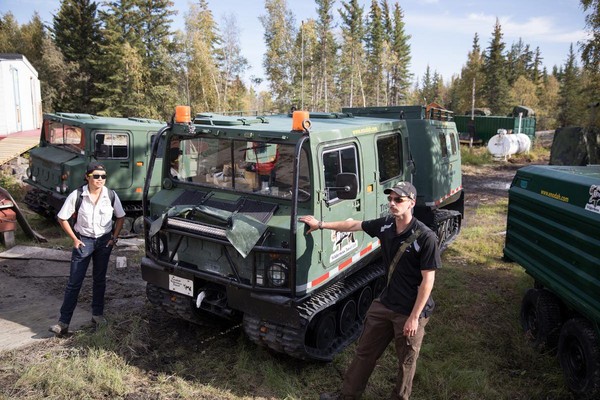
357 204
124 164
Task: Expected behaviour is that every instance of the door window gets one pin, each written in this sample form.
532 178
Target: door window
112 145
335 162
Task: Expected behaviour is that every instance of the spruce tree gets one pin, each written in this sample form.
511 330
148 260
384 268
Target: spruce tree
496 87
352 57
400 49
375 49
160 72
570 104
76 32
471 76
590 51
325 57
9 33
120 91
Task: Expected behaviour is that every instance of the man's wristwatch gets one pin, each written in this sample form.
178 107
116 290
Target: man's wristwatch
115 239
320 224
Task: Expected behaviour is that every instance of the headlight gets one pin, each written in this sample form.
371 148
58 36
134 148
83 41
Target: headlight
277 274
28 172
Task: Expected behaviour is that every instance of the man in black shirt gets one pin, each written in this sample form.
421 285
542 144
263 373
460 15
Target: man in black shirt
409 249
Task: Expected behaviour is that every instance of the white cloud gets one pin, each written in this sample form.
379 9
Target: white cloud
541 29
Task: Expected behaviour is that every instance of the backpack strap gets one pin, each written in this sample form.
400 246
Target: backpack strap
79 199
411 239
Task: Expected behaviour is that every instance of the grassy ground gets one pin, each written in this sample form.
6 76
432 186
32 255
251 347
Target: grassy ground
474 349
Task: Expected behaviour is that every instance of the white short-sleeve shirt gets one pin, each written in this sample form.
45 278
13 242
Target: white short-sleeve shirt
93 220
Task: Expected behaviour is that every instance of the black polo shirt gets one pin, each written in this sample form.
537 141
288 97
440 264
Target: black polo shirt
400 295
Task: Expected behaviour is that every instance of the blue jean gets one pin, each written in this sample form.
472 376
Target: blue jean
98 251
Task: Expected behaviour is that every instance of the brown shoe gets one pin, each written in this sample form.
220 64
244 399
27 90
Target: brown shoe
59 329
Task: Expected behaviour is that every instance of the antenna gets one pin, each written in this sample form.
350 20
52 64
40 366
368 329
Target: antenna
302 63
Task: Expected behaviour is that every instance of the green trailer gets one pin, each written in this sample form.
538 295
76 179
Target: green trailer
553 231
482 127
69 141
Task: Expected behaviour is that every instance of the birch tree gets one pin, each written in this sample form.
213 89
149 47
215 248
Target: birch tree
280 31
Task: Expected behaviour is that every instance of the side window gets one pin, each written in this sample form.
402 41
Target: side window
443 144
112 145
389 152
336 161
453 143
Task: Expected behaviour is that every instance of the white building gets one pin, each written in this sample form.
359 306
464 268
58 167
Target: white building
20 95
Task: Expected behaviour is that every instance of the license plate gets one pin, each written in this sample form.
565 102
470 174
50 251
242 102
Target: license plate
181 285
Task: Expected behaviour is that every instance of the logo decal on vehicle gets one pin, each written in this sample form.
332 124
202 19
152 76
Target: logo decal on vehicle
592 204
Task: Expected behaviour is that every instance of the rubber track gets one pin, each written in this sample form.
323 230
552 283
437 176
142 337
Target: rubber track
291 339
33 200
440 217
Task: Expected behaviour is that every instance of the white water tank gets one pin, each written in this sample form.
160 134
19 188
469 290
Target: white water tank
524 143
503 145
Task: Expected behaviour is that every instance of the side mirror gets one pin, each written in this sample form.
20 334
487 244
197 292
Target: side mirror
346 186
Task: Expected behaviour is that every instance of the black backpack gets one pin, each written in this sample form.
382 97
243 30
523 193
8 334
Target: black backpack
73 219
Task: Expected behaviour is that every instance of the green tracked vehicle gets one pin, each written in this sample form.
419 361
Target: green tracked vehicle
223 237
69 142
553 231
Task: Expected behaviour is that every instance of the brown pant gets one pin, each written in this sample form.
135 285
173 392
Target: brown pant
381 326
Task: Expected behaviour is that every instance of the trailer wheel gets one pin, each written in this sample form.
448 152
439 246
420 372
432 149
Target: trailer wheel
579 356
347 316
364 302
324 332
138 225
541 319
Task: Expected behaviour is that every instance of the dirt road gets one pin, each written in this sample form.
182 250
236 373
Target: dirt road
32 282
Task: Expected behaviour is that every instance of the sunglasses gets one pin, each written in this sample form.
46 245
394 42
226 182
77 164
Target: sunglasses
397 200
98 176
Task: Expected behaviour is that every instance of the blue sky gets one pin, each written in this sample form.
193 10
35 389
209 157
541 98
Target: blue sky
442 30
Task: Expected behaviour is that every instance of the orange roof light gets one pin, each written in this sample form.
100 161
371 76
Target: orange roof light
301 121
183 114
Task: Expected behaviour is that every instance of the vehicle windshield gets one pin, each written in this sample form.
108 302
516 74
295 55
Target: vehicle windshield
245 166
66 136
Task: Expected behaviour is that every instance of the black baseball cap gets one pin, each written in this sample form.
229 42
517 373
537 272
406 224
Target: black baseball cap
403 189
94 166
